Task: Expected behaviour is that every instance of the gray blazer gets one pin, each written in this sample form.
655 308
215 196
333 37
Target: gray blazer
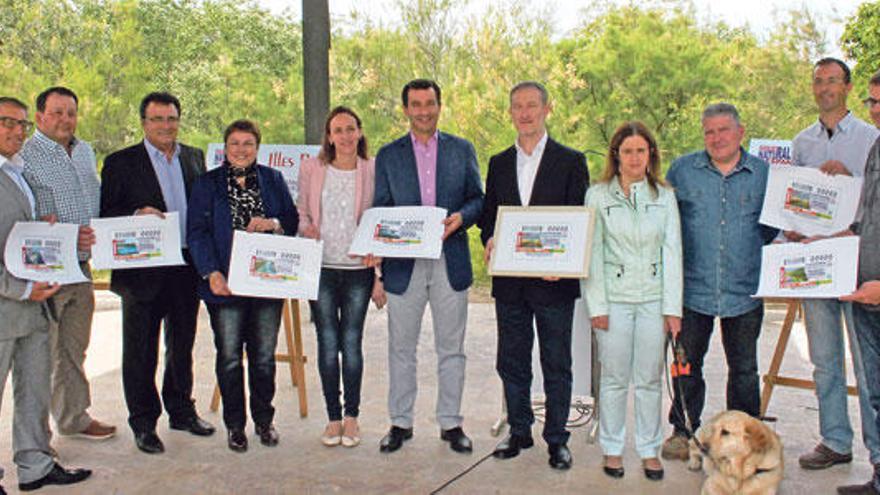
19 318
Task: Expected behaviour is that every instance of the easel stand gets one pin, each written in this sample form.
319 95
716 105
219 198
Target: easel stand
772 378
295 359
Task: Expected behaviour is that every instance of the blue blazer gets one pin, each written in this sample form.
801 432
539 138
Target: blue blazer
209 222
459 189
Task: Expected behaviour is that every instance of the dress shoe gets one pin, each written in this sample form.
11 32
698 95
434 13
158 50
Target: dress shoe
237 440
57 476
149 442
97 430
2 491
510 446
560 456
268 435
865 489
195 425
394 439
613 471
458 441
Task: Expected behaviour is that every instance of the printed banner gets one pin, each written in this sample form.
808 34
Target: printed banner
821 269
810 202
286 158
137 241
772 151
400 232
41 252
275 266
542 241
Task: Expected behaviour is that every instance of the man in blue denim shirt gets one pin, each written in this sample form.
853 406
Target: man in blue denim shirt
720 191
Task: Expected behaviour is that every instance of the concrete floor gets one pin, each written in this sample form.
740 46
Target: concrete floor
301 465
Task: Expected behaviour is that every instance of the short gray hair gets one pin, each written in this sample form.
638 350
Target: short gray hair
545 96
717 109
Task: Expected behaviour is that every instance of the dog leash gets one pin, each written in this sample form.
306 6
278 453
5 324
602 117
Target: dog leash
680 367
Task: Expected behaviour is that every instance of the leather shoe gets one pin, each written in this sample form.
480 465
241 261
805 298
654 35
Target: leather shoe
268 435
237 440
510 446
57 476
458 441
195 425
394 439
149 442
560 456
865 489
2 491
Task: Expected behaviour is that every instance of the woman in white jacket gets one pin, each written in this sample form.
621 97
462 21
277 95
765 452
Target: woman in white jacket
634 292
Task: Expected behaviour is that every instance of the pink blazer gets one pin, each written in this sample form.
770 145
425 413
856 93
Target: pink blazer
311 183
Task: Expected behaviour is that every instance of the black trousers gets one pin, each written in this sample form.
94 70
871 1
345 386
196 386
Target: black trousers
177 305
516 335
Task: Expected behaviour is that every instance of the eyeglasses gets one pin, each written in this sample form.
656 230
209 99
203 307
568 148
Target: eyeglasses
10 123
163 120
870 102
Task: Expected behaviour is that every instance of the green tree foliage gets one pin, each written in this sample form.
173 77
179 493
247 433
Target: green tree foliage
229 59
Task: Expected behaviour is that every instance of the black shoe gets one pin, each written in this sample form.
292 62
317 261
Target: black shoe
394 439
57 476
237 440
458 441
195 425
654 474
2 491
614 472
866 489
560 456
510 446
149 442
268 435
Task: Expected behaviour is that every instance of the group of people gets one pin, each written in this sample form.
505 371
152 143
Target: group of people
669 255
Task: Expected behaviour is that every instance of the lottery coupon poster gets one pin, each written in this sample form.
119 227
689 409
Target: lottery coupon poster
808 201
820 269
542 241
41 252
400 232
274 266
137 241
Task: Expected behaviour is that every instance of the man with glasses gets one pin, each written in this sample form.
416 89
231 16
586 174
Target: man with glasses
838 143
24 332
152 178
61 171
872 102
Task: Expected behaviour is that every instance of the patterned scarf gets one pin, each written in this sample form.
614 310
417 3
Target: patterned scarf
244 202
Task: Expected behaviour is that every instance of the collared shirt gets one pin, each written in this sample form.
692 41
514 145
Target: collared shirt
721 236
527 168
849 144
14 168
426 164
170 177
64 185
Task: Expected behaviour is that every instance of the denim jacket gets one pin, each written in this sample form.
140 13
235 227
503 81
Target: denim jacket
721 236
636 255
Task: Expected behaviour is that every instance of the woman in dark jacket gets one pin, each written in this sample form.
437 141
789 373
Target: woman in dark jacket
240 195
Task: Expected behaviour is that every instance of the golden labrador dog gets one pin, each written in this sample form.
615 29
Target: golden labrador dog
742 456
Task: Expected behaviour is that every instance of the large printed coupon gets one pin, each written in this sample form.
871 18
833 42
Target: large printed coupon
274 266
41 252
400 232
136 242
542 241
808 201
821 269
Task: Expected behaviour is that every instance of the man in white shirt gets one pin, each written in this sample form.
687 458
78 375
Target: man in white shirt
536 170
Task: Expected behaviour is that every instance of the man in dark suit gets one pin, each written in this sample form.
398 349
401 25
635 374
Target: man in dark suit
428 168
536 171
155 177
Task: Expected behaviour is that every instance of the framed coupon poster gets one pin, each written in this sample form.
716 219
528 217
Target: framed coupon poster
542 241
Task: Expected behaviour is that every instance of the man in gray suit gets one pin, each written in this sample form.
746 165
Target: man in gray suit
24 333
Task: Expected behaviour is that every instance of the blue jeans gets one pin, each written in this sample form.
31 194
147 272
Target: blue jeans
516 335
867 330
825 336
339 313
739 335
250 324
